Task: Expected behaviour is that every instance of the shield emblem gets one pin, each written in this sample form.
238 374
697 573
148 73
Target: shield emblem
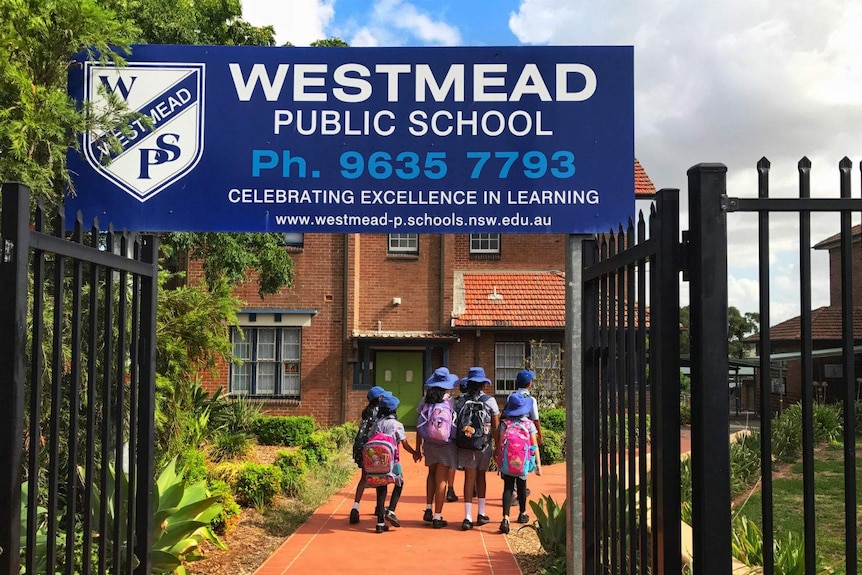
162 141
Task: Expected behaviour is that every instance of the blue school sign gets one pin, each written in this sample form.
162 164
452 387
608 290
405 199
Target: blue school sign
376 140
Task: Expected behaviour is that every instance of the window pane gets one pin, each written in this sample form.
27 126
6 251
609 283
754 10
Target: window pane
509 359
484 243
404 243
291 344
290 379
240 379
294 240
241 347
265 345
266 378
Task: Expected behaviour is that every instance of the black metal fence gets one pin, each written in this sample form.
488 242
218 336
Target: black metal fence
77 362
631 370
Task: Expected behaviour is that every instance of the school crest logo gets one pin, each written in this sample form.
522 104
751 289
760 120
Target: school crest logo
163 141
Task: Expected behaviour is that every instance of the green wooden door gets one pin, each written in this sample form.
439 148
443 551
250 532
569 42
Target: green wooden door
401 373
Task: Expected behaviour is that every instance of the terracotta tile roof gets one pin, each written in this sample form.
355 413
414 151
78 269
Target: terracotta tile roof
644 188
510 299
825 325
533 299
833 241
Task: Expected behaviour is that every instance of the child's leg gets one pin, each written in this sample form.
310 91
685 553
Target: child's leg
396 495
381 503
522 494
360 488
508 487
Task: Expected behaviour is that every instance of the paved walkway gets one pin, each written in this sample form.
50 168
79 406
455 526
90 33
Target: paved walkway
327 543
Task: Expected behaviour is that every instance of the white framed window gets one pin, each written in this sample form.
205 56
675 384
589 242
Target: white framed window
484 243
545 360
508 361
270 361
294 240
404 243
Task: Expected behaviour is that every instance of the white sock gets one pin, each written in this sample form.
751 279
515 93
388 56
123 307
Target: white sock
428 506
481 506
356 505
468 511
438 516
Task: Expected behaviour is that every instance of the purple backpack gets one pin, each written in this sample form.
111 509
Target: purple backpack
435 422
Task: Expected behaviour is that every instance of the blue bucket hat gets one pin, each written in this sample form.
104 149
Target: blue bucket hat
389 401
441 378
375 392
517 405
476 374
524 377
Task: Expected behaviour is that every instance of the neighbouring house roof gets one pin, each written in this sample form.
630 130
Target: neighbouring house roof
513 299
835 240
534 299
644 188
825 325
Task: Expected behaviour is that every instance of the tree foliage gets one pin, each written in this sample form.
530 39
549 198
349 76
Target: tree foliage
739 326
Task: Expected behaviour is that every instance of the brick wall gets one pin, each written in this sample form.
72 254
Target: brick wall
835 275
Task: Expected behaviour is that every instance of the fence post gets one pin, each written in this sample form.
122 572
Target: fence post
710 431
14 233
146 408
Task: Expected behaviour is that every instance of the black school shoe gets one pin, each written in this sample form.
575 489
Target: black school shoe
482 519
466 525
428 516
439 523
391 518
450 496
523 518
382 527
354 516
504 526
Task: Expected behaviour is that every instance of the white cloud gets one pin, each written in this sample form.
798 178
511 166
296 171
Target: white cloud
729 82
299 22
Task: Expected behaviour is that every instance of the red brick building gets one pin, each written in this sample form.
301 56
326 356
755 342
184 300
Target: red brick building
387 309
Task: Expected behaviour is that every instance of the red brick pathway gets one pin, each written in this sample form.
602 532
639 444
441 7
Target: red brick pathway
327 543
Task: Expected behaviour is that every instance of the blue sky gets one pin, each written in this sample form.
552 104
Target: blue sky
725 82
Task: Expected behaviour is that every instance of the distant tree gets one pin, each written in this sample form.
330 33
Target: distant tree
333 42
739 326
685 331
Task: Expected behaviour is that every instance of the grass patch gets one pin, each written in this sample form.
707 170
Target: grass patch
320 483
828 503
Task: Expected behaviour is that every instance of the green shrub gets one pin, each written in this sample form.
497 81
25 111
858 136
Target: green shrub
787 434
553 419
827 422
226 471
283 430
553 448
257 485
744 463
194 465
343 434
859 418
685 413
228 445
235 414
319 447
293 465
229 516
550 525
788 549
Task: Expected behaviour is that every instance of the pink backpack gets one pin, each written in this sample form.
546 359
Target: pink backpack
513 458
435 422
378 460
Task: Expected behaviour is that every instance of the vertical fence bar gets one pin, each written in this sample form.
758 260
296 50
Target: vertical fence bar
710 395
631 378
134 375
591 452
74 400
107 400
807 364
119 419
603 398
613 392
642 406
851 550
621 372
656 448
13 315
765 374
35 411
665 346
56 396
92 387
146 405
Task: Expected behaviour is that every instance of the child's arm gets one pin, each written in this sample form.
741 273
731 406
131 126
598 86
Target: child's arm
535 443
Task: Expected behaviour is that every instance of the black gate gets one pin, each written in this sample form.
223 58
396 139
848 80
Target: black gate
77 362
632 515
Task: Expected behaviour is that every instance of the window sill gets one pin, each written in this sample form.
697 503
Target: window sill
485 256
279 399
403 257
